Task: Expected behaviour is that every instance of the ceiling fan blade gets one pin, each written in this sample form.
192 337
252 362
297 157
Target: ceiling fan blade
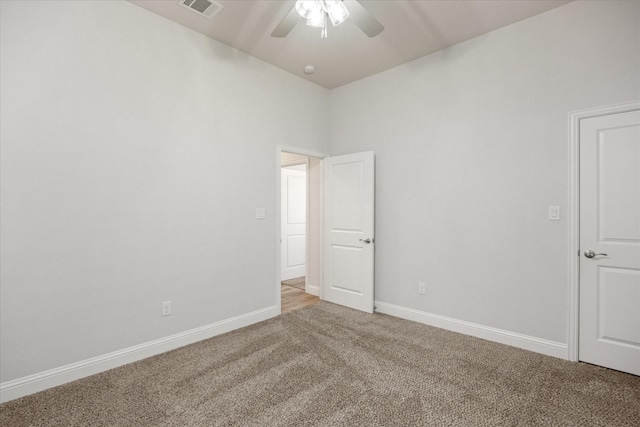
363 19
286 25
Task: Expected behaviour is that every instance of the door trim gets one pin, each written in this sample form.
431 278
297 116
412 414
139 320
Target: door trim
293 150
574 214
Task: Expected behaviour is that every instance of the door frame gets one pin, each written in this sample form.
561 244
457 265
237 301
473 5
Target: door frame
574 215
294 150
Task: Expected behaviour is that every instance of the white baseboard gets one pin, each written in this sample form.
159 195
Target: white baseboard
538 345
14 389
312 289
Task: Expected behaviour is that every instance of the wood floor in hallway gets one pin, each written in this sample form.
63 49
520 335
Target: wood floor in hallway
295 299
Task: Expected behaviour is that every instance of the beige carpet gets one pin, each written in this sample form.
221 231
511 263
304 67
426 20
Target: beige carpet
327 365
297 282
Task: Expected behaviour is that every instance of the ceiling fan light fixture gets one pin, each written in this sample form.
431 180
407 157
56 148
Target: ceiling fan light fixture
306 8
337 11
318 12
317 19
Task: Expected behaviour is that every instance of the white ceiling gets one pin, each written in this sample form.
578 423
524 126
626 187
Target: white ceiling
412 29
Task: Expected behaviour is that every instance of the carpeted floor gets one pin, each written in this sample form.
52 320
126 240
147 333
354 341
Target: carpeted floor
328 365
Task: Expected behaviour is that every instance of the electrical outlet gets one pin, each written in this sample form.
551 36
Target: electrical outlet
166 308
422 288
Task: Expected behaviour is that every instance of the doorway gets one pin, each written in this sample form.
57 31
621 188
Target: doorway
299 229
340 225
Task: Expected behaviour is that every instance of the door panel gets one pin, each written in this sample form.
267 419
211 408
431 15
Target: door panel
296 246
347 264
610 227
293 228
349 228
619 297
347 183
618 177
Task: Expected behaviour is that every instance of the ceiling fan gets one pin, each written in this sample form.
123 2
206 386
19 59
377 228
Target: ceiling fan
319 12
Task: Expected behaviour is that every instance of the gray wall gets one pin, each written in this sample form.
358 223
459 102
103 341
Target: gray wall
134 154
471 148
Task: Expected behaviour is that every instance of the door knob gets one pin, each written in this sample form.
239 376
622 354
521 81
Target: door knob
367 240
591 254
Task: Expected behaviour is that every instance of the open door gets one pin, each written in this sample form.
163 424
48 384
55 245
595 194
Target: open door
349 230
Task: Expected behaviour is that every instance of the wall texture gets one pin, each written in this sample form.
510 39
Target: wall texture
134 153
471 148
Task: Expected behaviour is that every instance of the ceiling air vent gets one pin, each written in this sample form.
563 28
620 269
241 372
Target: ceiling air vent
204 8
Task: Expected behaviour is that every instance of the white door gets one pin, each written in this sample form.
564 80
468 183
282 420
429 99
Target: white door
294 217
348 230
610 241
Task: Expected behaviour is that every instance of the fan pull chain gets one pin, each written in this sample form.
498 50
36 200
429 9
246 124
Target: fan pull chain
323 33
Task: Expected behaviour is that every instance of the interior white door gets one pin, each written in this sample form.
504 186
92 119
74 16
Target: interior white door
610 241
349 230
293 227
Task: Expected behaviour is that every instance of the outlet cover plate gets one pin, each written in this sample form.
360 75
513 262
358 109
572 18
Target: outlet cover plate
422 288
166 308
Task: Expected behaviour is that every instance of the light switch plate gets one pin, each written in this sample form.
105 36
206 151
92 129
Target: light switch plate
554 213
260 213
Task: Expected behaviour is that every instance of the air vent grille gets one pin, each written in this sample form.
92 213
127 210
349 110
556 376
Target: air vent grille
206 8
